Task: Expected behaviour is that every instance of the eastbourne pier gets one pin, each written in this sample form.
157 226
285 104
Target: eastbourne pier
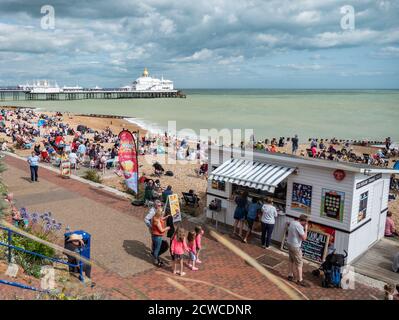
143 87
15 94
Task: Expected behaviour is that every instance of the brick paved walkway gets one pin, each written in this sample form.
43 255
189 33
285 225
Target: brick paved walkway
121 242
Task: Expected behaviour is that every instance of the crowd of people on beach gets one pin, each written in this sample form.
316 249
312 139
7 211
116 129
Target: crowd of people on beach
331 149
53 140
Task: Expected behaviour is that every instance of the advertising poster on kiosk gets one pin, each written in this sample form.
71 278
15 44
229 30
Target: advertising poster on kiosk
301 198
128 159
332 204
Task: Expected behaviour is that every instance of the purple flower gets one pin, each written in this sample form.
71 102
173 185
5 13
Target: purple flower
53 221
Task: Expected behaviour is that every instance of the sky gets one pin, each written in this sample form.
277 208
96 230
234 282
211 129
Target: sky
202 44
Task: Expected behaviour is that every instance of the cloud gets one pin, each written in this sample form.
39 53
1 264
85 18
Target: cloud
237 36
203 54
300 67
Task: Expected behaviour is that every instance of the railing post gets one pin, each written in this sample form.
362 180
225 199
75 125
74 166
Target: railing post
81 267
9 245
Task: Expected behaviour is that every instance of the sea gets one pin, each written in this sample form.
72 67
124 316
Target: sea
343 114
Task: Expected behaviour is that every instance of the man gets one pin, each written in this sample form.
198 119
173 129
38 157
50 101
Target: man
81 149
73 159
297 232
390 230
295 142
151 213
33 161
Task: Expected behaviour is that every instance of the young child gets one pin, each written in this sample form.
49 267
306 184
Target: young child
178 248
198 237
192 250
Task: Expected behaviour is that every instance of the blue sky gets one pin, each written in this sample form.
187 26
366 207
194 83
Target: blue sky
202 44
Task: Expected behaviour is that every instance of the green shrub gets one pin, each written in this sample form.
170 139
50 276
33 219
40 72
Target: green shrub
30 263
92 175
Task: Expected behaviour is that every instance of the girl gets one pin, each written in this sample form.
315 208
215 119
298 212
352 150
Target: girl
198 237
178 247
192 250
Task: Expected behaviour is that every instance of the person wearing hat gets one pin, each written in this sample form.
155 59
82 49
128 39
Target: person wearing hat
75 243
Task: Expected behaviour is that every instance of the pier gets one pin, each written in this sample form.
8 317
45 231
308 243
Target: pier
7 94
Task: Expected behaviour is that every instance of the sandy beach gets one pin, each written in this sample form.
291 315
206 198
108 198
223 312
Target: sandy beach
184 177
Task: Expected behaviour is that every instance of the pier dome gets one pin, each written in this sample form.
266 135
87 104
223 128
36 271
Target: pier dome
148 83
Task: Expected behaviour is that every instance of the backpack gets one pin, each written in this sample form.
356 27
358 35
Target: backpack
169 173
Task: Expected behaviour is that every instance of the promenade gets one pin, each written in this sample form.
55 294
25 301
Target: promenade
120 241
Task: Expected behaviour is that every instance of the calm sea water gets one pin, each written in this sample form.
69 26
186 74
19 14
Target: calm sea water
346 114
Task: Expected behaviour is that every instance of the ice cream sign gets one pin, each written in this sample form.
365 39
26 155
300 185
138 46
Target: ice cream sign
127 159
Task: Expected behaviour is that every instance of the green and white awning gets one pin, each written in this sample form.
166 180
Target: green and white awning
251 174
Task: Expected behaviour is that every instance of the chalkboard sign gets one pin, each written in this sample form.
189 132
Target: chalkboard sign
314 248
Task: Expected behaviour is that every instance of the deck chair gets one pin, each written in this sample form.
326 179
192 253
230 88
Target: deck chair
190 199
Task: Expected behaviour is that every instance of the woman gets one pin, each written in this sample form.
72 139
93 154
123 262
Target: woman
240 212
158 228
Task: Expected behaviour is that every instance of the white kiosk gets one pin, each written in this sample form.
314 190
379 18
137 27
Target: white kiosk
346 201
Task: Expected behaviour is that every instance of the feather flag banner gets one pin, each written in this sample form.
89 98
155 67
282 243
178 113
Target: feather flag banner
127 157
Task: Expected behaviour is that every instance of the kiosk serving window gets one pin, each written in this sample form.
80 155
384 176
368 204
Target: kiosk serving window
278 196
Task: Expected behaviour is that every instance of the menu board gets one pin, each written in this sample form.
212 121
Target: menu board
314 248
65 168
174 204
332 204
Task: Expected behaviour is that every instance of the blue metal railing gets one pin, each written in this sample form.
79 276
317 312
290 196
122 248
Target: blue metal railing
11 247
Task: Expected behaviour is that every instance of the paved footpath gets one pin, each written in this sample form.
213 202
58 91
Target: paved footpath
121 243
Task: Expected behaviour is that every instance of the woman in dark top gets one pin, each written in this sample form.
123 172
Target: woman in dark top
171 231
240 212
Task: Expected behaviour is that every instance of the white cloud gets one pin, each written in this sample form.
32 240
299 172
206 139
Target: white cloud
203 54
267 38
300 67
231 60
308 17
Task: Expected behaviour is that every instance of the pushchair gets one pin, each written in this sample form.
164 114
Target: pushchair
332 270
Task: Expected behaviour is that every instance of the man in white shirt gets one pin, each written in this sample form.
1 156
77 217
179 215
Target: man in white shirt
268 219
73 160
297 232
